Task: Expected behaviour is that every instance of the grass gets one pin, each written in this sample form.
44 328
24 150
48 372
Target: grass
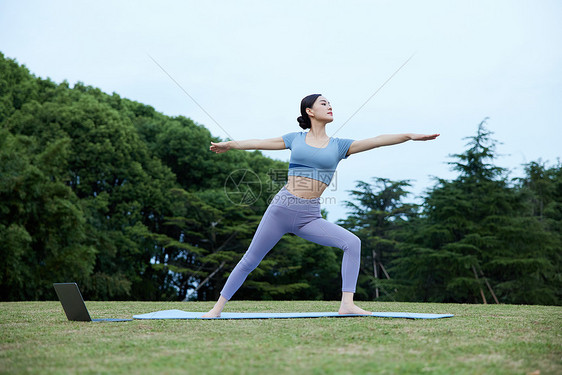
36 338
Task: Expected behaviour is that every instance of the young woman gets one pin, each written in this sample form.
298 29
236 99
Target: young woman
296 207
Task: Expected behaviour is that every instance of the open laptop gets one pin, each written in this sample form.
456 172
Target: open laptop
74 306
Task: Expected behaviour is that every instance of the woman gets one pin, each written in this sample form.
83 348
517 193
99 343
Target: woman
296 207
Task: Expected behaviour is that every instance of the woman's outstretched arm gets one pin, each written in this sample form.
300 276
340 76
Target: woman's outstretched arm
387 140
250 144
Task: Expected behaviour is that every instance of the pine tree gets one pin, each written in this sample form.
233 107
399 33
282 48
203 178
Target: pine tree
378 214
476 241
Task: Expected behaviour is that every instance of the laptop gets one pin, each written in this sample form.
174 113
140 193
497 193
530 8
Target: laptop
74 306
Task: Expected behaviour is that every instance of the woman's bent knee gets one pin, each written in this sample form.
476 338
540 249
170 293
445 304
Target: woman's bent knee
353 245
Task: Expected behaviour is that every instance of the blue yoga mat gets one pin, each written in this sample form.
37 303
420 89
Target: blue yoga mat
179 314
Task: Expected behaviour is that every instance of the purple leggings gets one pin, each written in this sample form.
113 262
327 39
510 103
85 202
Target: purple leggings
288 213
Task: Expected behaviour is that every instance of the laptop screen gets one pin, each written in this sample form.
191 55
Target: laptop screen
72 302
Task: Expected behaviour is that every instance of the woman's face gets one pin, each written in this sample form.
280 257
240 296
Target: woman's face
321 110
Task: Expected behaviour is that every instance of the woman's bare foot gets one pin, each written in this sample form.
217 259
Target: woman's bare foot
352 309
215 312
348 307
212 314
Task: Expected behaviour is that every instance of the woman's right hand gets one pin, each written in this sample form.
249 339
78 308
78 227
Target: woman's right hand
220 147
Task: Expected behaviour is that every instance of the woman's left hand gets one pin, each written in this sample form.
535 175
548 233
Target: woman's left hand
423 137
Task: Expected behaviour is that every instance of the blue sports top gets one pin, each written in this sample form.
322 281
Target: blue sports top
315 162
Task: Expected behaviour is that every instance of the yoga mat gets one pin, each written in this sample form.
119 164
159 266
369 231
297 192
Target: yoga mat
179 314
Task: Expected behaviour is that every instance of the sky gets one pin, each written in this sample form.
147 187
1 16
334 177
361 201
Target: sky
241 68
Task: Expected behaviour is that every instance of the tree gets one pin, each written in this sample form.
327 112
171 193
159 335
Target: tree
42 226
476 237
376 217
541 191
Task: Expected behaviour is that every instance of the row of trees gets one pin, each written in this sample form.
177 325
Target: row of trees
131 204
118 197
477 238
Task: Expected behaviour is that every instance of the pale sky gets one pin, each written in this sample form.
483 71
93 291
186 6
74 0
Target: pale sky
249 63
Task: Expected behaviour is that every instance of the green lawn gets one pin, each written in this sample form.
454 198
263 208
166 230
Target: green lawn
480 339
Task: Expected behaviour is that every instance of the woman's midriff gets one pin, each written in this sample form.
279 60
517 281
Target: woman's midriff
304 187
